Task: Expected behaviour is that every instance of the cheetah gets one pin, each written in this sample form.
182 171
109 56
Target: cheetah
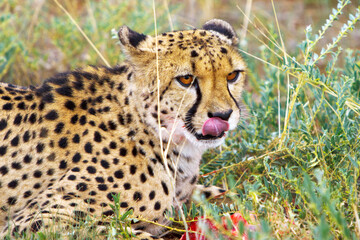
138 129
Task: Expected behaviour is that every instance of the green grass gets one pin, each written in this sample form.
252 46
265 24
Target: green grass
294 162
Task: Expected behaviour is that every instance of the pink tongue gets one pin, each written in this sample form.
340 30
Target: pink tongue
214 126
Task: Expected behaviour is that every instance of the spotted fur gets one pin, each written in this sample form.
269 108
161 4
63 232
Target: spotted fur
67 145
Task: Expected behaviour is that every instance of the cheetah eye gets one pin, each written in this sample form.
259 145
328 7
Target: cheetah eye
185 80
232 77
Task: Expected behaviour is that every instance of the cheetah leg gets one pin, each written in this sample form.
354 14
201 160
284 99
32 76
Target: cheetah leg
42 214
144 235
209 192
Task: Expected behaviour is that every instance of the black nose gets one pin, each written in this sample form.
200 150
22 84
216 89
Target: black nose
223 115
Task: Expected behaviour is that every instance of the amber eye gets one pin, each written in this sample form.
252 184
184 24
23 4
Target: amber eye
232 77
185 80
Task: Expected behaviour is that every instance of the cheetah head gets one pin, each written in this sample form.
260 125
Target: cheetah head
187 83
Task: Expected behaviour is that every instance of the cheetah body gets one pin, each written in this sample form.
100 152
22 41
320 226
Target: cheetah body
68 145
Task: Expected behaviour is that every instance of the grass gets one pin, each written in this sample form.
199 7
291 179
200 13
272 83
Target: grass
294 163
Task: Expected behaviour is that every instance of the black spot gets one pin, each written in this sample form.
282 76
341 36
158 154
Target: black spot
134 151
7 106
165 188
16 165
150 170
112 145
82 120
104 164
124 204
41 106
194 53
193 180
129 117
102 187
59 127
43 132
152 195
100 179
127 186
3 150
143 178
4 170
6 98
29 97
48 98
37 174
121 119
157 205
74 119
123 152
51 115
15 141
142 208
35 226
76 158
108 213
63 142
97 136
13 184
133 169
50 172
119 174
76 139
11 200
92 193
91 169
88 147
83 105
72 177
40 147
92 87
103 127
91 111
22 106
110 196
63 164
120 87
26 136
3 124
32 118
27 159
223 50
65 91
59 79
17 119
79 214
70 105
81 187
27 194
137 196
112 125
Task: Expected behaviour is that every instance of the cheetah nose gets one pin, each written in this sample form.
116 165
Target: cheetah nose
214 126
223 115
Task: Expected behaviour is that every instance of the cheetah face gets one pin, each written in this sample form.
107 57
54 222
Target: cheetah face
188 83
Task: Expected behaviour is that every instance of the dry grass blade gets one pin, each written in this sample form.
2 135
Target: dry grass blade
287 77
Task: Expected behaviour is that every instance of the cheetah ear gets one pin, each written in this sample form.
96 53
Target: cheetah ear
132 40
222 27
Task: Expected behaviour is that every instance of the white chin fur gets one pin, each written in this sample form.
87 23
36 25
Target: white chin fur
204 144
